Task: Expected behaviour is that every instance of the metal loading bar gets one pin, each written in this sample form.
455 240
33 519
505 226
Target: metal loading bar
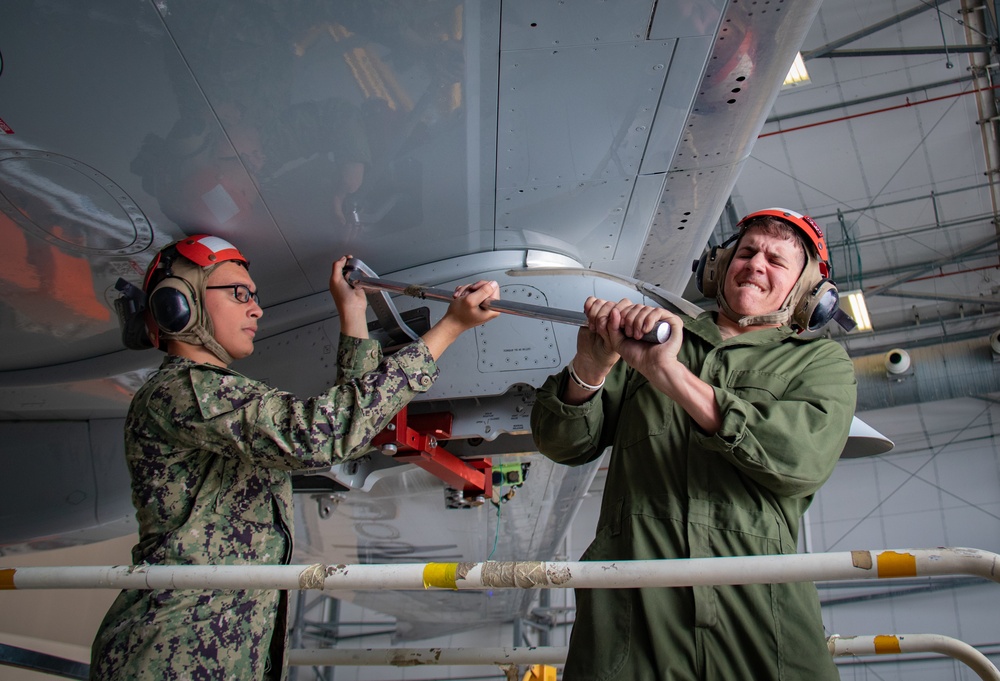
354 272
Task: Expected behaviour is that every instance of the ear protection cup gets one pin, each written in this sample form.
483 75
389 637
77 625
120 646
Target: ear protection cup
173 304
817 309
710 269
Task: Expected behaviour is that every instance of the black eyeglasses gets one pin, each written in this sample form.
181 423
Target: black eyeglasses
241 292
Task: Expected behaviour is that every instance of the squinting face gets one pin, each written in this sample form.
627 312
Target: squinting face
234 323
762 272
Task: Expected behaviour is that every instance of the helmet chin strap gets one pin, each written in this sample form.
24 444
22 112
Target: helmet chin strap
202 333
779 317
199 335
212 345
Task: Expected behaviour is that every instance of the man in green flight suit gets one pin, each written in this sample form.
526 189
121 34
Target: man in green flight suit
210 453
720 438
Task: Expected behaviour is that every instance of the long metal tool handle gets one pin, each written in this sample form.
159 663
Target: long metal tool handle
354 276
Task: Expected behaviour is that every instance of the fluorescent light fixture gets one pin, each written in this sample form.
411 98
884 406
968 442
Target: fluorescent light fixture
853 303
797 75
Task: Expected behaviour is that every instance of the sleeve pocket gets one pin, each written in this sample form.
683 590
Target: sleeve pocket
753 385
219 394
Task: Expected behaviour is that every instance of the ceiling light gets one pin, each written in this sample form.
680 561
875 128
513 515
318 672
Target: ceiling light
797 75
853 303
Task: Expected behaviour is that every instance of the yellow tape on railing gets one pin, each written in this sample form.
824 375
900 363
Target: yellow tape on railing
892 564
887 645
441 575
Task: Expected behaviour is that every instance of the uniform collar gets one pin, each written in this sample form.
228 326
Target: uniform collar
705 327
177 362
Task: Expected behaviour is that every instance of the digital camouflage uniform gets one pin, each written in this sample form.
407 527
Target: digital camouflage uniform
674 491
210 454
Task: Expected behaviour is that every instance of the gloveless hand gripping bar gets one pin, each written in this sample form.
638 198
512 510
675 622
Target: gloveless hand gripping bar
354 272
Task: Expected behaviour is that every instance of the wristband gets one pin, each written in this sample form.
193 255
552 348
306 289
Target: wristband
579 381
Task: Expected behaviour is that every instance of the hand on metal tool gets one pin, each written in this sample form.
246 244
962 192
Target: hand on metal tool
464 312
626 326
343 291
471 304
351 302
594 353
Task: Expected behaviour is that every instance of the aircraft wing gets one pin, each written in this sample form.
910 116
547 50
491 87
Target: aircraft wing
563 149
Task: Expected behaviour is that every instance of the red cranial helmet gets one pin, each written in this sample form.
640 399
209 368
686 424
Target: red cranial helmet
813 300
175 289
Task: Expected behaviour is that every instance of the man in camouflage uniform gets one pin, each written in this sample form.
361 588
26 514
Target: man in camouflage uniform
210 454
720 438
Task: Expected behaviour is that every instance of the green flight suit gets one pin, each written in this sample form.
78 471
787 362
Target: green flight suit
674 491
210 453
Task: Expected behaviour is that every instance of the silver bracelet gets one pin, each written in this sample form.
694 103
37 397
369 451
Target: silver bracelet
580 382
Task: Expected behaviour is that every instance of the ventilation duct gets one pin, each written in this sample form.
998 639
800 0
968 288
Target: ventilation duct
935 372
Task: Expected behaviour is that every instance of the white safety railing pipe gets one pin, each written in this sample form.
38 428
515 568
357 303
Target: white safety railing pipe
408 657
888 644
886 564
915 643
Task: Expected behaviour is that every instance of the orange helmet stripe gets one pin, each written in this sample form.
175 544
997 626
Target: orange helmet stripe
804 223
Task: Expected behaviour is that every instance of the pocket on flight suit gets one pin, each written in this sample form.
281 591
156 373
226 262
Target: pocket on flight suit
646 413
245 493
757 386
602 634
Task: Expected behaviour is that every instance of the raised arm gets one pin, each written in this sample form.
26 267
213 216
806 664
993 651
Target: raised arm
350 301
